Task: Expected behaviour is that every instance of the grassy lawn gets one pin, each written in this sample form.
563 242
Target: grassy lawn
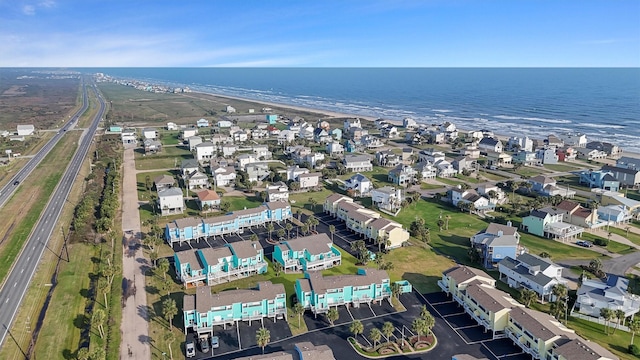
613 246
561 167
423 278
631 236
169 137
242 202
451 181
168 158
301 200
617 342
492 176
527 171
143 193
428 186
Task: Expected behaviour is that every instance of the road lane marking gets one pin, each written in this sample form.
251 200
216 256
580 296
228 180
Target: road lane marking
15 283
21 271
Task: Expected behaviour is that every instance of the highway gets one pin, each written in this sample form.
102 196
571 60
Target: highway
17 282
9 188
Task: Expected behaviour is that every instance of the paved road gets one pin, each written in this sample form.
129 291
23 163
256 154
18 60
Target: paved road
17 282
18 178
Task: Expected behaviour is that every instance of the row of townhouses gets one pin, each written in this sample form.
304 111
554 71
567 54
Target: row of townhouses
367 223
536 333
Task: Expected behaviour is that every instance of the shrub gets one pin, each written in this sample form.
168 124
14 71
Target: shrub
634 349
601 242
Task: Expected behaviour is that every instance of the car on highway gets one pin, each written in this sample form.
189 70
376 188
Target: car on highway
583 243
191 349
16 183
215 342
204 345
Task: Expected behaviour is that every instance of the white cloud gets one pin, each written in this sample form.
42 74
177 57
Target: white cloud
29 10
47 4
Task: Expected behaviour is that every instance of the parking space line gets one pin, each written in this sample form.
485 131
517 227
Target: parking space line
238 332
443 302
350 314
370 308
443 318
467 327
456 314
492 353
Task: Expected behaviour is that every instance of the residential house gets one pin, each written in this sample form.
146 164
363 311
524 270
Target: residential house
590 154
495 243
409 124
356 134
402 175
188 166
628 163
626 177
389 132
230 109
314 159
352 123
232 223
359 185
307 253
245 159
527 158
172 126
548 222
426 169
202 123
229 150
257 171
498 159
387 198
430 155
262 152
532 272
387 232
285 137
614 214
208 198
152 146
239 136
310 180
205 151
547 155
490 308
293 172
445 169
632 207
553 141
321 136
371 142
408 156
574 213
149 133
493 193
350 146
319 293
224 124
456 280
610 149
170 201
25 130
197 180
189 132
223 175
278 191
388 158
128 136
164 182
193 142
517 143
464 198
574 139
472 152
336 134
357 163
599 179
490 144
462 163
335 148
546 186
611 293
203 310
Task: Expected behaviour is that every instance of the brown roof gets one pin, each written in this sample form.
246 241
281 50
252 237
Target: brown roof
188 222
189 257
305 284
189 302
316 174
583 350
213 255
540 325
358 216
568 205
349 206
251 211
205 300
463 273
208 195
335 197
245 249
164 179
583 213
277 205
315 244
320 283
489 297
313 352
381 223
493 229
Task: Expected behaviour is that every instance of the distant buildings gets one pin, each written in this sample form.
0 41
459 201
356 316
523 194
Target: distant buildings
25 130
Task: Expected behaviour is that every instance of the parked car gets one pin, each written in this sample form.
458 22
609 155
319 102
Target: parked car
204 345
191 349
215 342
583 243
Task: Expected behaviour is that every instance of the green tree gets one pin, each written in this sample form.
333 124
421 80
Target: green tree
395 290
254 237
98 353
103 287
169 338
305 229
387 330
620 315
289 227
277 268
375 335
332 230
419 326
298 213
332 315
225 206
298 310
263 336
634 327
440 224
607 315
558 309
97 320
527 296
270 229
169 310
281 233
83 353
356 328
163 267
153 256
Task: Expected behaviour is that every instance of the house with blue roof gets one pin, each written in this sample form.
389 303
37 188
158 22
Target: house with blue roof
203 310
599 179
531 272
314 252
611 293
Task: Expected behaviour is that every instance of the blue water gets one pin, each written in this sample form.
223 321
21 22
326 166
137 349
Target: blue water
602 103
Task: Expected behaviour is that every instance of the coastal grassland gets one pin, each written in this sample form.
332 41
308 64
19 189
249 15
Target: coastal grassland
616 342
241 202
562 167
143 192
429 186
631 236
6 172
169 158
169 137
453 181
301 200
22 211
492 176
419 264
612 246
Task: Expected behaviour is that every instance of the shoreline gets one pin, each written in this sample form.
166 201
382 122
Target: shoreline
334 114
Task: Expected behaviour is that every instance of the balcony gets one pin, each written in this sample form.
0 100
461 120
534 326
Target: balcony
325 263
521 342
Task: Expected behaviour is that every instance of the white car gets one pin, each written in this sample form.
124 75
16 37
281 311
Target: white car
215 342
191 349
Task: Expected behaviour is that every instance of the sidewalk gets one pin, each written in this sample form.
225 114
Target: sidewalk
135 320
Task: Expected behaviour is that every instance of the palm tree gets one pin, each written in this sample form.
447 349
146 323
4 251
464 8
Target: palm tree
620 315
559 291
440 224
387 330
153 256
446 222
163 267
270 229
607 314
305 229
595 265
169 310
289 227
263 336
298 310
558 308
527 296
419 326
103 286
254 237
333 315
332 230
169 338
395 290
277 267
356 328
298 213
98 320
429 320
83 354
634 327
313 202
375 335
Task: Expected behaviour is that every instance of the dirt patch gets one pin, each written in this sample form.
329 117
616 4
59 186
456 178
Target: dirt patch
15 90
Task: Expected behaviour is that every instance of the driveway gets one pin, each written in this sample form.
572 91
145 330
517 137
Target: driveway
617 266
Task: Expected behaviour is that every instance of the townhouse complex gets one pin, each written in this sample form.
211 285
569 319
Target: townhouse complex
367 223
314 252
537 334
187 229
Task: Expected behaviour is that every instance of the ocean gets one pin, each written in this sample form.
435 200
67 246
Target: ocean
603 103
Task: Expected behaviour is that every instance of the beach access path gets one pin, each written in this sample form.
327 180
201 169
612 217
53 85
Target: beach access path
135 318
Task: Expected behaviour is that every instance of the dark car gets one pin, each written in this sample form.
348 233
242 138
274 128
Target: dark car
16 183
204 345
582 243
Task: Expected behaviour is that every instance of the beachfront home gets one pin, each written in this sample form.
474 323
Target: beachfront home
357 163
170 201
517 143
402 175
527 158
546 186
628 163
209 199
574 139
548 222
359 185
204 310
495 243
388 158
611 150
223 175
335 148
547 156
531 272
489 144
278 191
319 293
180 230
628 177
307 253
409 124
611 293
426 170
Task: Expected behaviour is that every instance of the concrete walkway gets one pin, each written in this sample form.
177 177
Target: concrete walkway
135 319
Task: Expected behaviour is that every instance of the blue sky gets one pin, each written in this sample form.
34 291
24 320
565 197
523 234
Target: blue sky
346 33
